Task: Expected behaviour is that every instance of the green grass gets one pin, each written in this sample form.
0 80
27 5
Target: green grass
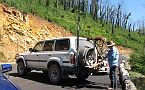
68 20
138 79
135 74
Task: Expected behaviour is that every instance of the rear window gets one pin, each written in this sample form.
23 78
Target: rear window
62 45
84 43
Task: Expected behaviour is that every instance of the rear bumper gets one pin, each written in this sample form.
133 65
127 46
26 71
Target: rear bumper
104 69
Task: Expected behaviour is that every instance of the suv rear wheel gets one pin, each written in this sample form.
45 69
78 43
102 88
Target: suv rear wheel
82 76
21 69
54 73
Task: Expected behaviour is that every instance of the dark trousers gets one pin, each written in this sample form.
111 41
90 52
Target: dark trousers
112 76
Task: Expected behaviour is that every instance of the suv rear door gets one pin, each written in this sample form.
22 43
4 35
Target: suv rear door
61 49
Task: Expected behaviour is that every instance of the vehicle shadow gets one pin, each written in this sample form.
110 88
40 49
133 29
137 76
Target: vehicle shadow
66 84
75 83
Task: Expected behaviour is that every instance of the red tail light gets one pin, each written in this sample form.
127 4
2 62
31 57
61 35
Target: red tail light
73 59
107 64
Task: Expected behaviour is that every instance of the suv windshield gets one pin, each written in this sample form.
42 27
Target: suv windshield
38 47
84 43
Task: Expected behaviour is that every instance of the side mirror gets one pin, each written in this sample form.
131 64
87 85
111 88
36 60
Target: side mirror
6 68
30 49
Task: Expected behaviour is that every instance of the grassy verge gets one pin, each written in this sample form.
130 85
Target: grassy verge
138 79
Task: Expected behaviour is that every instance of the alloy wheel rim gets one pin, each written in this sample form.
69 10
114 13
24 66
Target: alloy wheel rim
54 74
21 69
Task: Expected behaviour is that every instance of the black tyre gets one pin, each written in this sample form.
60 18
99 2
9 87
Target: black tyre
54 74
21 69
82 76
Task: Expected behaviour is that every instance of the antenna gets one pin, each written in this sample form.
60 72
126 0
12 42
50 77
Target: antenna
78 29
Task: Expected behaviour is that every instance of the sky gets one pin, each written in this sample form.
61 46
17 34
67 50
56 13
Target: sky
136 7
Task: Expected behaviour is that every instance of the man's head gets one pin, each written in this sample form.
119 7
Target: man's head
110 44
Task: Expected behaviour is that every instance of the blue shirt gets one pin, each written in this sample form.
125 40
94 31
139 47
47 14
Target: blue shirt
113 56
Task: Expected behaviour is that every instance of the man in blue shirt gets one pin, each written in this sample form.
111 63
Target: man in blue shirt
113 56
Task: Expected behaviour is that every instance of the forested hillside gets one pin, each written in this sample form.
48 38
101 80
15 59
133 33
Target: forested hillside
96 18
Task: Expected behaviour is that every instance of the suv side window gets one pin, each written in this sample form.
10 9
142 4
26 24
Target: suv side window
48 46
84 43
38 47
62 45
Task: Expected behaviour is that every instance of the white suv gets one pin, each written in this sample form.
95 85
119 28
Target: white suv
58 58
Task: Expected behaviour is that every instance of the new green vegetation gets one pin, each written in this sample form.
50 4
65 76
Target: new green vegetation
66 14
138 79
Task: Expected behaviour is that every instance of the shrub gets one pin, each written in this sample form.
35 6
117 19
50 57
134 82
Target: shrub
138 79
137 62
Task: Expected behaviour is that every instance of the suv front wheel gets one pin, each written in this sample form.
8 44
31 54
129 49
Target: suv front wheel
54 73
21 69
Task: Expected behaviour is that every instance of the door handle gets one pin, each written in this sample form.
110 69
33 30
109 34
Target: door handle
37 55
49 55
